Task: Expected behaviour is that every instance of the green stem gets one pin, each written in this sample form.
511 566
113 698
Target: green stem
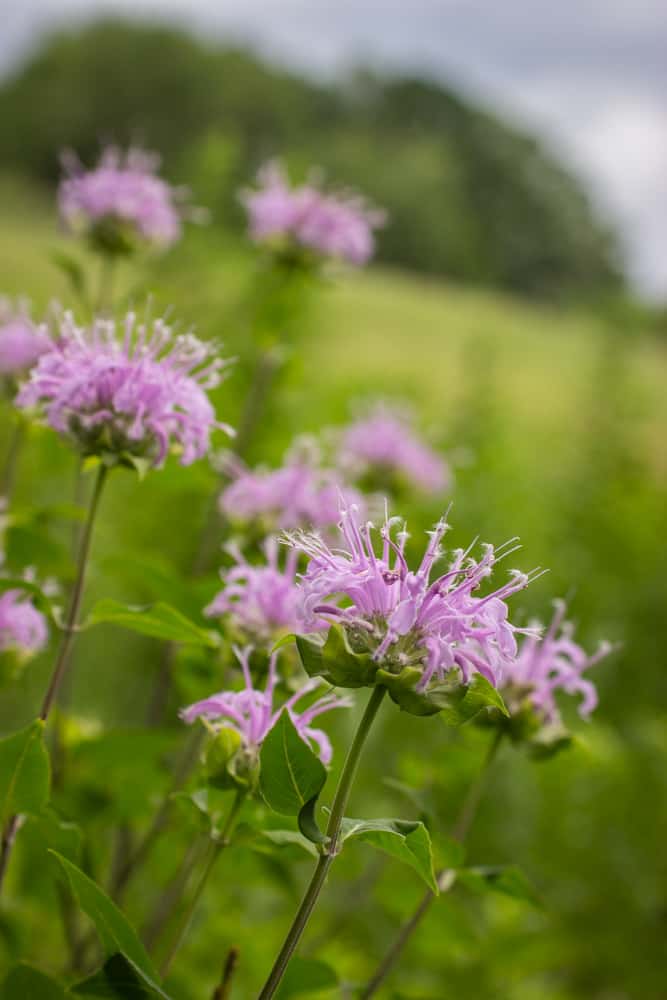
64 652
326 859
66 643
216 849
445 878
104 296
8 475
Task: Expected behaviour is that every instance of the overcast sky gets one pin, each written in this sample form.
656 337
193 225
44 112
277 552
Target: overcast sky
589 75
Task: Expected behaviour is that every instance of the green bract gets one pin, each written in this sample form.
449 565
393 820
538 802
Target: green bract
336 661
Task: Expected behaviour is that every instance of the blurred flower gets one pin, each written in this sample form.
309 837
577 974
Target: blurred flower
550 663
385 443
332 225
121 200
252 715
133 395
261 601
23 629
400 617
22 342
297 495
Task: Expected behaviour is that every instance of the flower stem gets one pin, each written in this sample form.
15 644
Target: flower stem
65 650
325 861
445 878
64 653
8 474
216 848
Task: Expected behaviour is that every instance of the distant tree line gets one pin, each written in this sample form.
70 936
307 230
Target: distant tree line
468 196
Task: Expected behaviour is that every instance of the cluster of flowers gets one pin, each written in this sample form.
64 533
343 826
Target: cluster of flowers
335 225
137 391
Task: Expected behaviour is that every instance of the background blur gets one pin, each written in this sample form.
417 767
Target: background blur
518 303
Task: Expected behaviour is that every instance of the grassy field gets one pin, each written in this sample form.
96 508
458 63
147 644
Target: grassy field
556 427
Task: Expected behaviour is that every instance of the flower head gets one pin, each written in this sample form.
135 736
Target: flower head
331 225
296 495
121 199
132 395
23 629
402 618
252 714
553 662
385 443
261 601
22 342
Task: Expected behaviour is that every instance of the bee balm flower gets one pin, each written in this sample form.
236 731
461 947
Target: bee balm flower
121 200
297 495
133 395
22 342
398 617
384 444
261 601
338 226
23 629
252 714
551 663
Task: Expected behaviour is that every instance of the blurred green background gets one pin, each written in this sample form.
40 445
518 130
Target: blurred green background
497 309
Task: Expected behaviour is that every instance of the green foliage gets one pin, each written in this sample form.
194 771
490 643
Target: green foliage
25 772
290 773
157 620
115 932
405 840
508 880
306 975
25 983
119 979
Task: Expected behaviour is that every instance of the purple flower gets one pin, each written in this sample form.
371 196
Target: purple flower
135 395
252 714
294 496
384 442
339 226
22 342
261 601
23 629
122 189
400 616
554 662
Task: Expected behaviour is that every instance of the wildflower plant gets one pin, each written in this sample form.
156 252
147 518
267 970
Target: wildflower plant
122 203
423 639
305 222
383 450
22 342
127 395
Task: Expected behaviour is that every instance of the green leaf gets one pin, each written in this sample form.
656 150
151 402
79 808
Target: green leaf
114 930
56 833
286 640
335 661
274 841
308 823
290 773
306 975
508 880
160 621
25 772
406 840
120 979
25 983
479 694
